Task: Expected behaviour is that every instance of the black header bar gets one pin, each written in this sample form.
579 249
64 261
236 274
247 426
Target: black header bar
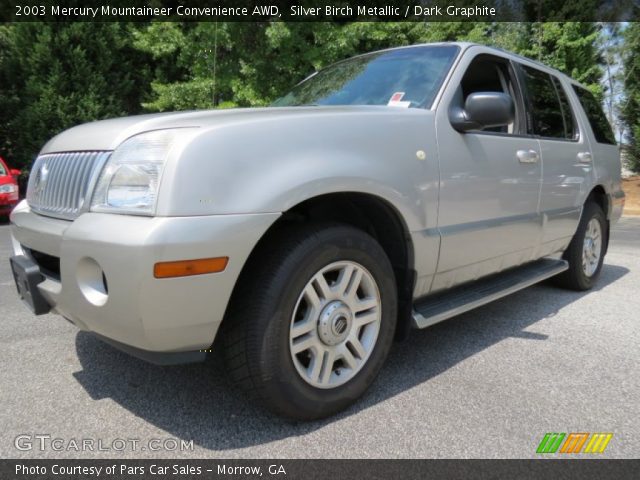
317 469
321 10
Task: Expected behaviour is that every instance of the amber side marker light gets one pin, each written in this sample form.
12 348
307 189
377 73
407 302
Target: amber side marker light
185 268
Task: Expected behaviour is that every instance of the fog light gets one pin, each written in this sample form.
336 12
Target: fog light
92 281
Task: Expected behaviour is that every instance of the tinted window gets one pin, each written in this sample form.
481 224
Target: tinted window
545 115
2 170
570 127
408 77
597 119
487 74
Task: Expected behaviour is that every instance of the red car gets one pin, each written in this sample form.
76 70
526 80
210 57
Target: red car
8 188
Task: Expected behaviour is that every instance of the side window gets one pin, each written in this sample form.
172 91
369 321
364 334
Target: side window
487 73
545 113
570 127
597 119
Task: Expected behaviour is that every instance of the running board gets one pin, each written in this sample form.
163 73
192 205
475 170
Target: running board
450 303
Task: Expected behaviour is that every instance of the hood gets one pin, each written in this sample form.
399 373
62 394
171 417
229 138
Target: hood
108 134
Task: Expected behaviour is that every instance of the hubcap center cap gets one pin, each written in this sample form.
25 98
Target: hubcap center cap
334 324
339 325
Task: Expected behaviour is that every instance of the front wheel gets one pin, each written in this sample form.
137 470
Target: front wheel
313 320
585 253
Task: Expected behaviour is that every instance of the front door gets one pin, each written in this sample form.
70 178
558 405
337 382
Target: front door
490 180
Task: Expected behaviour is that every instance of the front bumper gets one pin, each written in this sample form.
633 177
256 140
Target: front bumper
6 209
128 306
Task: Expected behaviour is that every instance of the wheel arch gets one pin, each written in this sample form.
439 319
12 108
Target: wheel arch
599 196
369 213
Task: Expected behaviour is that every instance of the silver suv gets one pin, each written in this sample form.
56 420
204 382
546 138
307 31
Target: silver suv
387 192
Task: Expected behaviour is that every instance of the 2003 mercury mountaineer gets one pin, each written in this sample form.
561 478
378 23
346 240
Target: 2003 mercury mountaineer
391 190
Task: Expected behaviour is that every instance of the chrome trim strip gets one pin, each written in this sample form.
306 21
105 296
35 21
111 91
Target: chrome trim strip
497 222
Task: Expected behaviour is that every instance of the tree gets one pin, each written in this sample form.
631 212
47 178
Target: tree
631 100
251 64
612 46
56 75
571 47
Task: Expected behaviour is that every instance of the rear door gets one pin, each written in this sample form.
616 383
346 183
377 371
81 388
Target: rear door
564 152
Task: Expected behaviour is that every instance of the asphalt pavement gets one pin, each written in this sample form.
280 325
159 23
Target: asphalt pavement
487 384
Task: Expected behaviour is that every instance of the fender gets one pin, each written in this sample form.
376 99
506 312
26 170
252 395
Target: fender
269 164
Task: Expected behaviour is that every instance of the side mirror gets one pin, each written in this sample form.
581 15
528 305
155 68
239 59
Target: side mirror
15 172
483 110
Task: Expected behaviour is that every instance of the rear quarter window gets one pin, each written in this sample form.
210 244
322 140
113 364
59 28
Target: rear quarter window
597 119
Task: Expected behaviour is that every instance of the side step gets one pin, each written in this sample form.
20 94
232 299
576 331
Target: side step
444 305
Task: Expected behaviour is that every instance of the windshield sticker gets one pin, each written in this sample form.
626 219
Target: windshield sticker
396 100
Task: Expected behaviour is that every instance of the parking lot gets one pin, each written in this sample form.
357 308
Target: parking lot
487 384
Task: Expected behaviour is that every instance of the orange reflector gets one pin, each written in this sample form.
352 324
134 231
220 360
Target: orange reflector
185 268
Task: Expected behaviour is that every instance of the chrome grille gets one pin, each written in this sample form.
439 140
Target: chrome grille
60 183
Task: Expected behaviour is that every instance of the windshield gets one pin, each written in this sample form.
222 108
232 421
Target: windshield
406 77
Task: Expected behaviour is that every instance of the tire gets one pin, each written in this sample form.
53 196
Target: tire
580 277
276 291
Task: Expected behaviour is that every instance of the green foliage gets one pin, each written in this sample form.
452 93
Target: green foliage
570 47
58 75
631 101
193 94
255 63
53 76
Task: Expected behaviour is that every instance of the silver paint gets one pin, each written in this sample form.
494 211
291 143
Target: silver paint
471 207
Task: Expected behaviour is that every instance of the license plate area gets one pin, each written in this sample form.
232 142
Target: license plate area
27 276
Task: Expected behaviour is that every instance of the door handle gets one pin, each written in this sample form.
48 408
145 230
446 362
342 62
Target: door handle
527 156
584 157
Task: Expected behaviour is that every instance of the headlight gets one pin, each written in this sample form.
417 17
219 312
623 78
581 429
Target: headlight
129 180
8 188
